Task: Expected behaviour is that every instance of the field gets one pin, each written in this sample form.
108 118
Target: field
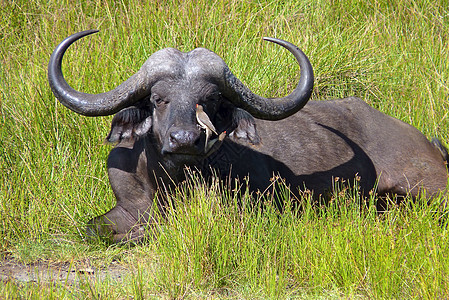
392 53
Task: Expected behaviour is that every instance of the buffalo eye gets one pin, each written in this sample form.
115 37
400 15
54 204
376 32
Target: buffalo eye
157 100
212 103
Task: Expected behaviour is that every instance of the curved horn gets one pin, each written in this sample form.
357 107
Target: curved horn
273 108
127 93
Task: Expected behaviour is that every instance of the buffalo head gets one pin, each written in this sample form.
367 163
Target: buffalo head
162 96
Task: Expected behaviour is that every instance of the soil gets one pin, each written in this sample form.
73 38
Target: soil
12 270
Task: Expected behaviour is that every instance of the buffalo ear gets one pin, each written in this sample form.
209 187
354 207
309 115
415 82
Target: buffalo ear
245 127
129 123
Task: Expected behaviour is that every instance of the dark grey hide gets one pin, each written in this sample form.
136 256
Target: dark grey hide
157 136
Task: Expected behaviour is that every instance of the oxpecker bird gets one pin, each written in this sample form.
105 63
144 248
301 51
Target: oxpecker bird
205 123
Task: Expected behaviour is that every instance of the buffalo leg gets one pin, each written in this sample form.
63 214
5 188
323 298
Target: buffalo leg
133 189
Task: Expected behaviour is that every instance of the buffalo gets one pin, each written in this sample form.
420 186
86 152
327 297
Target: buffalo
157 135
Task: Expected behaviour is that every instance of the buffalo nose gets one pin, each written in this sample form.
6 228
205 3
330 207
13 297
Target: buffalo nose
185 141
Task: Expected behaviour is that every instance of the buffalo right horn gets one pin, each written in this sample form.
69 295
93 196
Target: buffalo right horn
108 103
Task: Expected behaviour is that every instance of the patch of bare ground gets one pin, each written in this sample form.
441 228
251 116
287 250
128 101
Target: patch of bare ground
62 272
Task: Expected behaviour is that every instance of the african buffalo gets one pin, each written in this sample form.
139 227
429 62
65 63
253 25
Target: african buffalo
157 135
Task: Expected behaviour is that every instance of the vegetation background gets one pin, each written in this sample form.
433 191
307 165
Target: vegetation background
392 53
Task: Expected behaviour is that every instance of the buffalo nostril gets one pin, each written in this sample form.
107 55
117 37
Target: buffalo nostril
179 137
183 139
173 138
197 141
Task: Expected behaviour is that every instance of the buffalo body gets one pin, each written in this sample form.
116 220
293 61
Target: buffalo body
158 136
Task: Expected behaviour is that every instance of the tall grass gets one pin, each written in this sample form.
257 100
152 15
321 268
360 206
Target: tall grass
394 54
214 242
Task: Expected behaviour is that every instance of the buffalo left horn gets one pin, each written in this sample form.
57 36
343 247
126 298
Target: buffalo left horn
271 108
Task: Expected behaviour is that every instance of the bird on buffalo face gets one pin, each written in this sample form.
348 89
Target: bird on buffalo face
205 123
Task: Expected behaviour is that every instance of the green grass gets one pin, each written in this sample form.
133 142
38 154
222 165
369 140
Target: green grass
394 54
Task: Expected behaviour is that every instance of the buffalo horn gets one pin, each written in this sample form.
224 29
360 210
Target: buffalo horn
272 108
127 93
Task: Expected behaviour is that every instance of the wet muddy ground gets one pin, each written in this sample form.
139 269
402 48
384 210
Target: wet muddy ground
68 273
